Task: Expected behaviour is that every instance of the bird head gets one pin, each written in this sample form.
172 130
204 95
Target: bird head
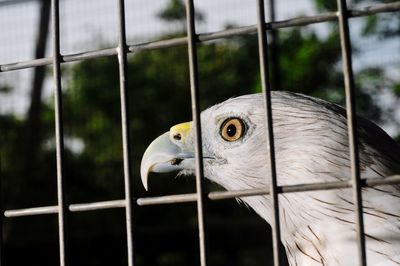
232 134
310 144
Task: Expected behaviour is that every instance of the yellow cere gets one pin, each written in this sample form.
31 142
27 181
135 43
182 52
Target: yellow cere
180 131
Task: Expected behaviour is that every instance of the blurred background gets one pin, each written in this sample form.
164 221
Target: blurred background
305 59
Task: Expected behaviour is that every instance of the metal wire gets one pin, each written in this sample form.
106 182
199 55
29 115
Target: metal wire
123 65
102 205
192 197
59 130
352 126
266 88
222 195
194 92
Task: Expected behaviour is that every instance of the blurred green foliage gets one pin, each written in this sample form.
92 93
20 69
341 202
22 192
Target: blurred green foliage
159 97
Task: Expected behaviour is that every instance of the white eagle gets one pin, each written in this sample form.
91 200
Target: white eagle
311 144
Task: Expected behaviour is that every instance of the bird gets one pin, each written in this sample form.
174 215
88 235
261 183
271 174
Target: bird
311 146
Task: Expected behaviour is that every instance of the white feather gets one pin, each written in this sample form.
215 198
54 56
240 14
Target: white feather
311 146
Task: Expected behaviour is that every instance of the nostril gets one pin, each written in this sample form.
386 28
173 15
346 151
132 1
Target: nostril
177 136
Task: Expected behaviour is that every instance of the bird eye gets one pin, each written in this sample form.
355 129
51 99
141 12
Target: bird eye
232 129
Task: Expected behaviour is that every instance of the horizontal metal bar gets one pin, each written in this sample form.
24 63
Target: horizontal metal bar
221 195
191 197
31 211
375 9
79 207
13 2
294 22
238 31
63 59
170 199
157 44
102 205
26 64
90 55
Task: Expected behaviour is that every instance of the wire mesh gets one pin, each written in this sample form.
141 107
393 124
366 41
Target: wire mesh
200 197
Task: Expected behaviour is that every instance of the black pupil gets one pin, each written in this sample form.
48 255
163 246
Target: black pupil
231 130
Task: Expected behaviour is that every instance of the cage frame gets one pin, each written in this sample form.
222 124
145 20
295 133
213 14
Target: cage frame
129 202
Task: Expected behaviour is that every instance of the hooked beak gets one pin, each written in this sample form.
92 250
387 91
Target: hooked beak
165 153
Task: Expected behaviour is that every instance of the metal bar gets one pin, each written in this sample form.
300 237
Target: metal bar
170 199
102 205
63 59
123 67
191 197
26 64
59 130
157 45
194 93
31 211
352 126
266 88
239 31
13 2
374 9
78 207
90 55
222 195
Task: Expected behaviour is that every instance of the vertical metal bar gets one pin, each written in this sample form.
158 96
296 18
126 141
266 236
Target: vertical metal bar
266 87
122 60
62 208
352 125
194 91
